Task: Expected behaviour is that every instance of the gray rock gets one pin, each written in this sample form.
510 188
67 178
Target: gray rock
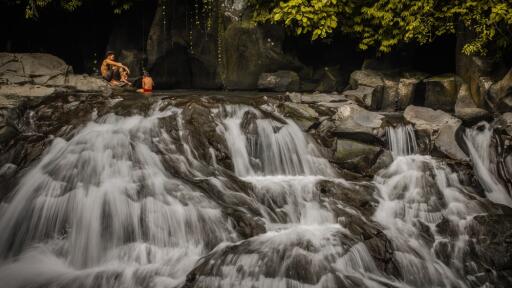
441 128
441 92
280 81
302 114
26 90
505 121
366 96
86 83
407 87
13 78
355 156
466 109
315 98
367 78
9 64
500 94
351 118
40 64
383 161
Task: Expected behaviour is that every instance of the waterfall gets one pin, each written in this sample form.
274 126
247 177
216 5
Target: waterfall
479 143
101 210
272 148
416 194
132 201
401 140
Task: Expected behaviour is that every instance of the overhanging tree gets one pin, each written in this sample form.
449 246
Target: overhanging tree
384 24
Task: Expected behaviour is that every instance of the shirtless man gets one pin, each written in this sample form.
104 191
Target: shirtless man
107 68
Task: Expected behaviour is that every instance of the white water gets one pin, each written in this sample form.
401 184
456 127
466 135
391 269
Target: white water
482 155
102 210
401 140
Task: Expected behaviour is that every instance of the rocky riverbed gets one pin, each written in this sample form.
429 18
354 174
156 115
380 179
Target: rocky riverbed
256 189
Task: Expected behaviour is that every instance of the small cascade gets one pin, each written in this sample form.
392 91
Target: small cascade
401 140
417 193
268 147
479 143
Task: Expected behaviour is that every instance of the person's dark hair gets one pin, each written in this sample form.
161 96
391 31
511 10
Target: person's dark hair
145 73
109 53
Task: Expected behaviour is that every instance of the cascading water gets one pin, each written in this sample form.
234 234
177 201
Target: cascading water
478 141
127 203
101 210
401 140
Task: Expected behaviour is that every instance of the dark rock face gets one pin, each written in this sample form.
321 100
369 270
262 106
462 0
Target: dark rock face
249 52
280 81
500 94
465 108
441 92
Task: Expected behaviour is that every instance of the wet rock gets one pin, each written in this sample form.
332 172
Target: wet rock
465 107
315 98
358 196
280 81
505 122
201 130
302 114
441 92
354 122
425 233
27 90
500 94
355 156
440 126
383 161
493 236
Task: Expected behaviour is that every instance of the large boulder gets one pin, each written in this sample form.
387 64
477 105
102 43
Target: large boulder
466 109
355 156
280 81
302 114
369 87
384 90
357 123
440 126
500 94
39 75
250 51
441 91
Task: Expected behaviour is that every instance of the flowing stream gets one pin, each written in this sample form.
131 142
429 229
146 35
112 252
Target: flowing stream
126 203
